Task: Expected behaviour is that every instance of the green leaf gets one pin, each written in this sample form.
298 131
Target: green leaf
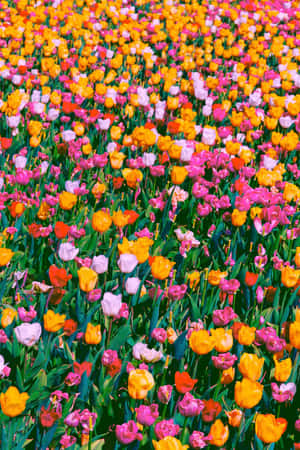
120 338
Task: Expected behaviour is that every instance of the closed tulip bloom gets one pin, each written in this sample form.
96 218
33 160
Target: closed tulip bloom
100 264
178 174
251 366
12 402
294 334
140 382
223 339
289 276
251 278
101 221
161 267
283 369
53 321
228 375
5 256
87 279
201 342
28 333
132 285
269 429
169 443
111 304
127 262
234 417
238 218
248 393
164 393
92 334
246 335
219 433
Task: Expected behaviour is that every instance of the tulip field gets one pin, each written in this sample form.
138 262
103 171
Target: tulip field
149 224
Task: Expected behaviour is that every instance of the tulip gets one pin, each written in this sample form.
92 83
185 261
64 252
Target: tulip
61 230
92 334
169 443
101 221
161 267
238 218
289 276
201 342
190 406
119 219
53 321
100 264
223 339
166 428
247 393
132 285
67 200
67 251
246 335
5 256
8 316
234 417
164 393
228 376
294 334
283 369
178 174
140 381
28 333
183 382
58 277
269 429
127 262
215 276
111 304
147 415
251 366
251 278
128 433
87 279
13 403
4 369
219 433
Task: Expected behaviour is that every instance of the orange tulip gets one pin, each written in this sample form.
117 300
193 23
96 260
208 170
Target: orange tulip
161 267
101 221
251 366
247 393
201 342
246 335
223 339
269 429
234 417
219 433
